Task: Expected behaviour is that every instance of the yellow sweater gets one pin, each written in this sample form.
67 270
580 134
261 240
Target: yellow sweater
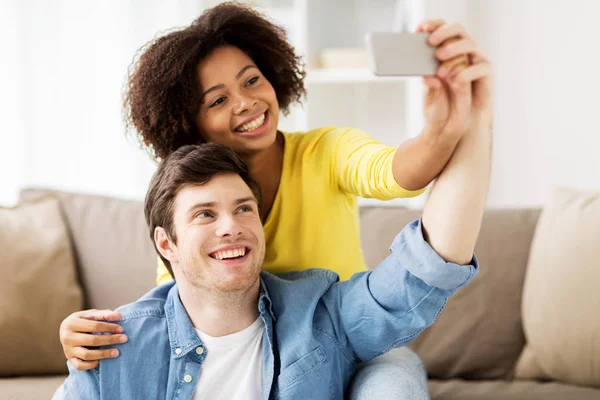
314 220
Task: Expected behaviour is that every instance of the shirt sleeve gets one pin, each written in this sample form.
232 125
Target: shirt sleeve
80 385
363 166
391 305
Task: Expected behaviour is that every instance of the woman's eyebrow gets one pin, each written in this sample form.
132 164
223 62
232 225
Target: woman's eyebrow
247 67
221 86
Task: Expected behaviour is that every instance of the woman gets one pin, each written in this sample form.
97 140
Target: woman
224 79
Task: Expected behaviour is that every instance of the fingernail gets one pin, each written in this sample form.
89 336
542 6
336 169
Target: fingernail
123 338
119 329
442 72
114 353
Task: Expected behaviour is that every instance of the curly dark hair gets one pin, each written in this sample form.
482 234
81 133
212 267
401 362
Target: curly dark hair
162 94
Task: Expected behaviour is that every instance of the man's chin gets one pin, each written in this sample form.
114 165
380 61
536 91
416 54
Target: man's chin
237 283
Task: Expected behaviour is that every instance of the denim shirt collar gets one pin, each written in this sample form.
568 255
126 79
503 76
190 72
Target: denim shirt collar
182 335
264 301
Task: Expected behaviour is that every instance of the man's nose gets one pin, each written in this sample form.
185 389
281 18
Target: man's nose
228 226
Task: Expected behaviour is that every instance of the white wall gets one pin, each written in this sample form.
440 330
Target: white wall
64 94
60 92
10 131
547 99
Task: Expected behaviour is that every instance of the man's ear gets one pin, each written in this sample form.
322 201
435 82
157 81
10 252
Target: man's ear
164 245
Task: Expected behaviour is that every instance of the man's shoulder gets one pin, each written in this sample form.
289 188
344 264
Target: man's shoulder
311 282
152 304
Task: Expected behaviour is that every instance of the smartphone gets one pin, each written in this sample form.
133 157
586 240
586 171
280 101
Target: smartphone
401 54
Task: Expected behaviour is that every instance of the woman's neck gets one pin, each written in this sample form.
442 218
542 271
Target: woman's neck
265 167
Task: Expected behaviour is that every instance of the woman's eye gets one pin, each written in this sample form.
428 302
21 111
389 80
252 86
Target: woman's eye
218 101
252 81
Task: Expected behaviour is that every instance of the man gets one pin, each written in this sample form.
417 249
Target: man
226 328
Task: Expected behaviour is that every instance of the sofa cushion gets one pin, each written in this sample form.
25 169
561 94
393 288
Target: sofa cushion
30 388
479 333
561 300
505 390
39 288
115 257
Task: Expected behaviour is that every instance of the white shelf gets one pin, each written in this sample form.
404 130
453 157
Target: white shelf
348 75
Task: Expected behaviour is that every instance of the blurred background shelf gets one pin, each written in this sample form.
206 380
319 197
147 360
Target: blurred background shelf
348 75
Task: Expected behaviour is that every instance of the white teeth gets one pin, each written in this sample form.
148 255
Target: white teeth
220 255
252 125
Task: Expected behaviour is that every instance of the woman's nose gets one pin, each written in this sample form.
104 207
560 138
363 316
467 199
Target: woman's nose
243 103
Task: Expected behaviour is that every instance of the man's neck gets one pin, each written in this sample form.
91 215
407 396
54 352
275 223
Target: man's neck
218 314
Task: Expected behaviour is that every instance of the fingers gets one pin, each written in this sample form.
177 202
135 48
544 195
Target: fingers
454 48
101 315
463 43
470 74
430 25
84 359
81 365
84 354
84 339
76 346
448 68
450 65
91 321
432 82
89 326
447 31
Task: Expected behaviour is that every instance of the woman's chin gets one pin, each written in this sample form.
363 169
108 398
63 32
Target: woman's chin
249 147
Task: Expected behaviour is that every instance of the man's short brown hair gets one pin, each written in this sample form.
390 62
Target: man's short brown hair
189 165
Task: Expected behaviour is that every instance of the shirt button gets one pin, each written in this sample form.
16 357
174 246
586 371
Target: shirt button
178 351
187 378
199 350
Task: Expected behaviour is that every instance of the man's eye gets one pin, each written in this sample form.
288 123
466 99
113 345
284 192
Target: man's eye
204 214
252 81
218 101
245 209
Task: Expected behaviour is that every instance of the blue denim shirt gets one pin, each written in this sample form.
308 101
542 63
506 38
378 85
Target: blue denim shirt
317 329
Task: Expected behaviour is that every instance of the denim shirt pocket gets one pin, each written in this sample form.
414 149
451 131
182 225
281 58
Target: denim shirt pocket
300 368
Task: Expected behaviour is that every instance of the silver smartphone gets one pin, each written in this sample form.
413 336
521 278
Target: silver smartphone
401 54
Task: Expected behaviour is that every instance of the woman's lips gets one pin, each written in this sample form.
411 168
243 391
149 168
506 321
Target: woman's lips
258 131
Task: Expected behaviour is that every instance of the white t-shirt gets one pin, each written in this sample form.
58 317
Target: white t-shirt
232 368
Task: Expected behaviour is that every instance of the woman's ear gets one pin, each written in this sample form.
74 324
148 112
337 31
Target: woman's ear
165 246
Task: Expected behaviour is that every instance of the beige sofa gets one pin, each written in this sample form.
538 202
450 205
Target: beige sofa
470 352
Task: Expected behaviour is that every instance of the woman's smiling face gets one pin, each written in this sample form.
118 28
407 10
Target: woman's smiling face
238 106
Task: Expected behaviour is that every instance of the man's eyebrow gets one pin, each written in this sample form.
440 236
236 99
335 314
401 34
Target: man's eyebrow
221 86
196 206
212 204
245 199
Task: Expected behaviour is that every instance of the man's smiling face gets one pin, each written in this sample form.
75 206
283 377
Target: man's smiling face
220 238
